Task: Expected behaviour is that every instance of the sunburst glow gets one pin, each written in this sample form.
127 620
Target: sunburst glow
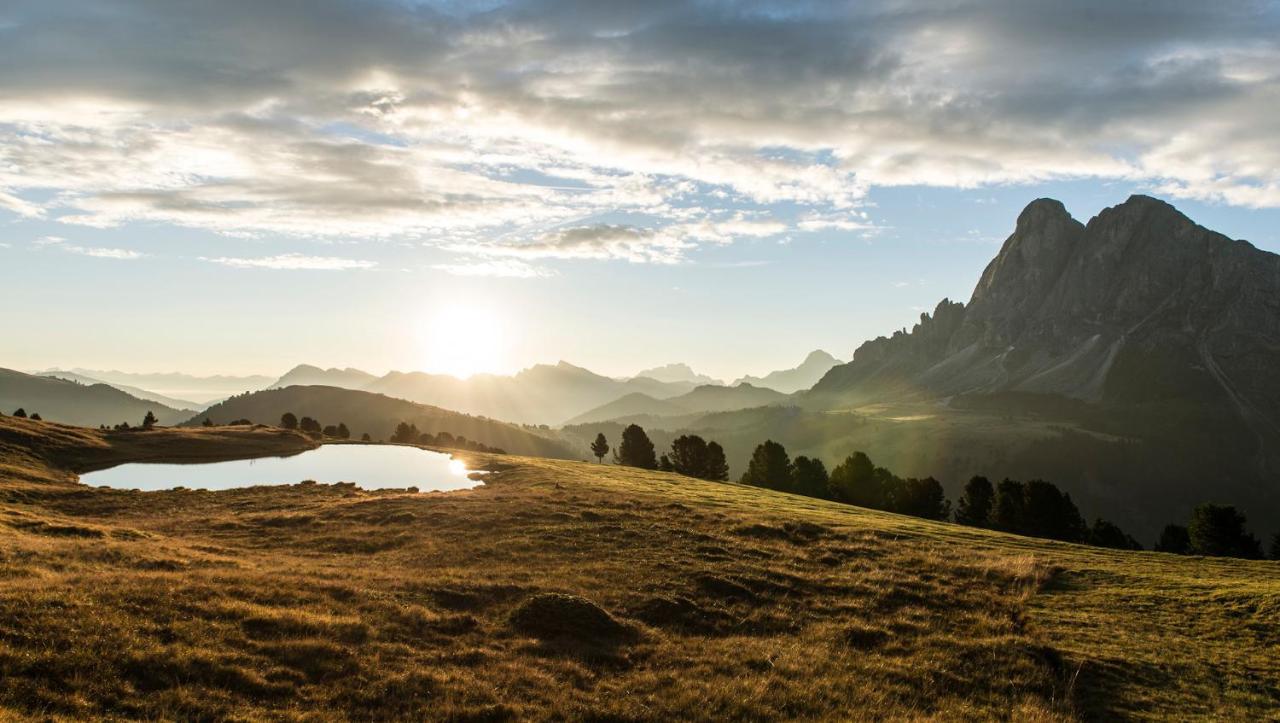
462 341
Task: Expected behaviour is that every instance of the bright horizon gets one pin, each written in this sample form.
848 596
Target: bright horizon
431 186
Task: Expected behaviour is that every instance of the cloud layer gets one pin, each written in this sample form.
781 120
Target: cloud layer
522 130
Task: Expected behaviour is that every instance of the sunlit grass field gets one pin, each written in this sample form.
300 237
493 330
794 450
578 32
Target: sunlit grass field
575 590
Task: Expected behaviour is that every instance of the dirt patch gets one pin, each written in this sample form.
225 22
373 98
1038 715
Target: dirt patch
865 637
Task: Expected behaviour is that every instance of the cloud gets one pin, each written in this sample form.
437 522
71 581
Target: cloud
479 130
509 268
105 253
17 205
293 262
100 252
598 241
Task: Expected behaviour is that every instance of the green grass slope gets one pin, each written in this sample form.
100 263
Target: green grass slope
564 590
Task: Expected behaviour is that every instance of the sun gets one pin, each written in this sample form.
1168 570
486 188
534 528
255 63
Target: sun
462 341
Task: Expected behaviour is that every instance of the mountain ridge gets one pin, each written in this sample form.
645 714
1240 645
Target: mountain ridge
803 376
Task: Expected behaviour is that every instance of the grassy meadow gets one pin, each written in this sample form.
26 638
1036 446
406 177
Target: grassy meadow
568 590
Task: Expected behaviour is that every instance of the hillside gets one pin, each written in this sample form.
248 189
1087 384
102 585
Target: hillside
541 394
377 415
70 402
627 407
564 590
799 378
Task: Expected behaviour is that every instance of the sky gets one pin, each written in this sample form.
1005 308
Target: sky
238 187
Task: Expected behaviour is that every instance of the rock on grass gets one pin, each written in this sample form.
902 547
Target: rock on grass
556 615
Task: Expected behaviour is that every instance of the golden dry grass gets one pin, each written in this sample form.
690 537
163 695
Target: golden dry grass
316 602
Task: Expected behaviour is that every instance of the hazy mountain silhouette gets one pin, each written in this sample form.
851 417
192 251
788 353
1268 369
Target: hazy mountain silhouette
378 415
802 377
203 390
678 372
307 375
1131 360
541 394
89 405
140 393
704 399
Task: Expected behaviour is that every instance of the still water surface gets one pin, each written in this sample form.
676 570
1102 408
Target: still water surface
370 466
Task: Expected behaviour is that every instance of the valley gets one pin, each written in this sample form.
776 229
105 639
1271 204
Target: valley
672 597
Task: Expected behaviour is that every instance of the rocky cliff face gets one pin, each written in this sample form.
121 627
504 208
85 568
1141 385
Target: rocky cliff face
1139 306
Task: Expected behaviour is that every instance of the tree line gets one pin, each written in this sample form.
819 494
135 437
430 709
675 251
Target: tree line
148 422
408 434
690 454
1034 508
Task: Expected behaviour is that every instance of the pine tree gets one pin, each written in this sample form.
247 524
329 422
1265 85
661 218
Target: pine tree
974 507
809 477
289 420
636 449
689 455
1219 530
1175 539
1108 534
858 481
149 421
600 447
717 469
1007 513
769 467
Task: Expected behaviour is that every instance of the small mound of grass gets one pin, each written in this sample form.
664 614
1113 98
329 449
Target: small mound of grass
551 616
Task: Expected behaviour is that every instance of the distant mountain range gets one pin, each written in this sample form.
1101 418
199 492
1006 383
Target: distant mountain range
704 399
378 415
541 394
201 390
143 394
813 368
72 402
544 394
678 372
550 394
307 375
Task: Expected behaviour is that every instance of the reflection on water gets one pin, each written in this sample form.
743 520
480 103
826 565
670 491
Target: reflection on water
369 466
